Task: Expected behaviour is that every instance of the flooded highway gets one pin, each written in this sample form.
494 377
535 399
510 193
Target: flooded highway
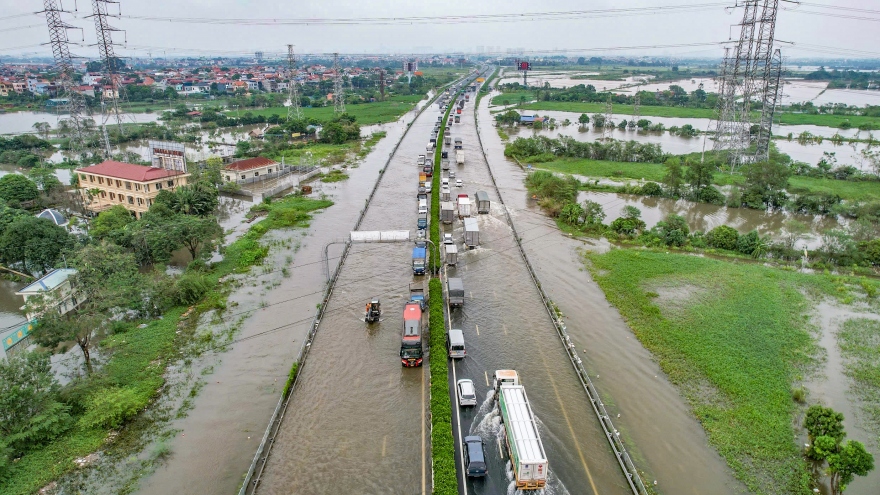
507 327
663 437
223 430
357 419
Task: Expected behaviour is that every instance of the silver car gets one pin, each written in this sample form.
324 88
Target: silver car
467 394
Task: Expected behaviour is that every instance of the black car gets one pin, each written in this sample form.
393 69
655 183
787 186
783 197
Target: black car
444 154
474 457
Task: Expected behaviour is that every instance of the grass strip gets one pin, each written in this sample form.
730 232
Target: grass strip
139 357
734 338
442 442
859 341
435 189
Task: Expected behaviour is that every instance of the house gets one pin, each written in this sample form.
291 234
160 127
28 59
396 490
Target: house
252 85
91 78
85 90
135 187
19 86
5 88
109 92
52 292
252 167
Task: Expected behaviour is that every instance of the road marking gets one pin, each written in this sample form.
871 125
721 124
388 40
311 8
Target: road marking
478 329
455 403
505 329
384 442
500 449
424 452
568 421
486 374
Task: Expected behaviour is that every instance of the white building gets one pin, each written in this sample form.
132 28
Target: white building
56 293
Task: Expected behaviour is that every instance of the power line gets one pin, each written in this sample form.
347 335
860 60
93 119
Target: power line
446 19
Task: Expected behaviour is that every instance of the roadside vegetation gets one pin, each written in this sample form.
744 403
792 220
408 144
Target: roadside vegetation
859 341
733 338
135 320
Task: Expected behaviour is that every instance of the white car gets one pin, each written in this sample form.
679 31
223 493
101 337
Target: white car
452 174
447 239
458 183
467 394
428 188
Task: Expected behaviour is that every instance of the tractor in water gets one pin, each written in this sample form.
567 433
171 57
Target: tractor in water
373 311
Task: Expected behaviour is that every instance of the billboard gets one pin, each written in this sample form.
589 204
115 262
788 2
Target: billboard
167 155
410 66
523 65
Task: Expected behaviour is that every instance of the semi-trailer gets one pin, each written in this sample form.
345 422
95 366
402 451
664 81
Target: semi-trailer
523 442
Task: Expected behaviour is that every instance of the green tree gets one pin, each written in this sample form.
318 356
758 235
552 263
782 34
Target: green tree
34 244
851 459
722 237
43 128
16 188
30 413
199 198
45 179
572 213
194 233
699 174
110 224
593 213
824 421
584 119
630 212
673 231
765 184
674 178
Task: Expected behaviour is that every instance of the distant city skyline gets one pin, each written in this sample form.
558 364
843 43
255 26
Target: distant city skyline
650 33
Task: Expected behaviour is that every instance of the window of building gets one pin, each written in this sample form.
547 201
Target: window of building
146 187
269 171
140 201
244 176
128 185
91 178
170 183
82 177
137 187
256 174
158 186
130 200
100 180
119 183
103 194
112 196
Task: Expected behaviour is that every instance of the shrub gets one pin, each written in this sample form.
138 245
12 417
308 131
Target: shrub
652 189
110 408
746 243
673 231
871 250
710 195
722 237
191 287
627 226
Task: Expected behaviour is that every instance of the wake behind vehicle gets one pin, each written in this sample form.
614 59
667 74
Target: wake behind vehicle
411 340
373 311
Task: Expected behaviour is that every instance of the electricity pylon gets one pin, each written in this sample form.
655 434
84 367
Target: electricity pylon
294 110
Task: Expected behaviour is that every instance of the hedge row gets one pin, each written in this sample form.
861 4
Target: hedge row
442 443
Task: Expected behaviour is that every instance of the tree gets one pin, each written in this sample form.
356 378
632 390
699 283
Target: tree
673 231
765 184
111 223
43 128
30 414
195 232
593 213
584 119
571 213
199 198
630 212
699 174
851 459
723 237
45 179
16 188
34 244
107 282
674 178
824 421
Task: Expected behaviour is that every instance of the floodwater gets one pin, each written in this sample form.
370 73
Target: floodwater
664 438
846 153
23 122
834 389
564 80
220 435
357 420
704 217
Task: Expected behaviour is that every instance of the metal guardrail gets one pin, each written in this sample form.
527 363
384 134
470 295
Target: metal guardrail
611 433
255 471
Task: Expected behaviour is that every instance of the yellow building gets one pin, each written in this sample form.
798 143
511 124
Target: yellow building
135 187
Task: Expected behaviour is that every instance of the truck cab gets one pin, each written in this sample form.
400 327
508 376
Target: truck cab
504 377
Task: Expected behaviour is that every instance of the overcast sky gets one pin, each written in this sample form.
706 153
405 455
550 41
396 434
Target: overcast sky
712 24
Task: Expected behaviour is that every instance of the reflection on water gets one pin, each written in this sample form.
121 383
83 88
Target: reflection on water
23 122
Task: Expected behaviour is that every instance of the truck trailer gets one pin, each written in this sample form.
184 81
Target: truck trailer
482 201
464 206
447 212
451 251
523 442
455 292
471 233
459 157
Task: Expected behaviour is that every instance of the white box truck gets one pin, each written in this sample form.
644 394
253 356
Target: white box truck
471 233
459 157
523 442
447 212
464 206
451 254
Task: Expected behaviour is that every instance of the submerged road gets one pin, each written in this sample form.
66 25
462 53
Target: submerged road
507 327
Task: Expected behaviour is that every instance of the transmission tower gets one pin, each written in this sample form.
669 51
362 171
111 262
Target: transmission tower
637 110
608 127
338 88
771 90
294 110
744 77
105 47
63 64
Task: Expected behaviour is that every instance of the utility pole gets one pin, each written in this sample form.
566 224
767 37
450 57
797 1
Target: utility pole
63 64
294 109
105 46
382 83
608 127
338 89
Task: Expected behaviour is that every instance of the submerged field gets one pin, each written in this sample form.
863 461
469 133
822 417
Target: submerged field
736 339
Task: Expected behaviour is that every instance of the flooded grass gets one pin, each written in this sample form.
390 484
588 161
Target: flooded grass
859 341
334 176
735 340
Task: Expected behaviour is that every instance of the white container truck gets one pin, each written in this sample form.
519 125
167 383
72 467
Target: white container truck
447 139
445 194
459 157
451 254
464 206
447 212
471 233
524 445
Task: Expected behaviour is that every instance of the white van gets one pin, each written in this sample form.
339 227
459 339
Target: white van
423 206
455 344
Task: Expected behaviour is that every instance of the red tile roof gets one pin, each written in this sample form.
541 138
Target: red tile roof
129 171
250 164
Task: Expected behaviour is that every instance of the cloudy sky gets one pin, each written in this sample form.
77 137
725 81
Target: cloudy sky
850 25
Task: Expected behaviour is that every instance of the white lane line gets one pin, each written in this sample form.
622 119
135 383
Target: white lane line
385 442
478 329
499 447
455 403
486 374
505 329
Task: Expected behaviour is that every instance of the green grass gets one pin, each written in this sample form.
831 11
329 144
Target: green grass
442 443
512 97
734 337
334 176
847 190
624 170
859 341
330 154
367 113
